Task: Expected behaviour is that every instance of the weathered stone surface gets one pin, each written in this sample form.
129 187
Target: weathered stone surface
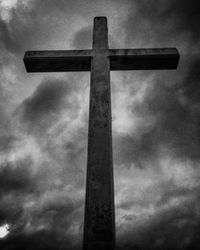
99 228
143 59
58 60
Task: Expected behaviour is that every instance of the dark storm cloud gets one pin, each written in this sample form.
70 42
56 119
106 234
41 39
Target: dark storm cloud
7 142
15 178
161 22
191 83
47 98
27 28
4 119
17 33
176 110
46 103
83 38
161 103
129 150
174 105
26 25
13 211
16 181
40 240
187 15
176 228
51 208
4 116
6 37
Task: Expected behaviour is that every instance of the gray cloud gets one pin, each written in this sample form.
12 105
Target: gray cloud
174 105
40 240
162 22
36 206
83 39
187 16
15 178
173 229
47 98
176 111
45 105
18 32
7 142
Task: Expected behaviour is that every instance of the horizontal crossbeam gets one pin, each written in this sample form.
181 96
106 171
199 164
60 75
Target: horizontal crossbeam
120 59
143 59
58 60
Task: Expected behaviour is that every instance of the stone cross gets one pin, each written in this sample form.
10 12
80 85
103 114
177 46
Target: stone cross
99 221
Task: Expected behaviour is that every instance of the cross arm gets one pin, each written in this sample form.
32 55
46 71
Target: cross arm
58 60
143 59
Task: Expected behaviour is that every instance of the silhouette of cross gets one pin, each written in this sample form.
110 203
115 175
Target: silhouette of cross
99 224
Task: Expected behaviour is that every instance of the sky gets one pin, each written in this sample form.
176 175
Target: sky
44 123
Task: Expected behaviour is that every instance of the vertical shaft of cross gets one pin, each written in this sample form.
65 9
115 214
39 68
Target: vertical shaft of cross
99 225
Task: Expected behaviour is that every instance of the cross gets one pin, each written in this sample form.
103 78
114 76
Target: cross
99 219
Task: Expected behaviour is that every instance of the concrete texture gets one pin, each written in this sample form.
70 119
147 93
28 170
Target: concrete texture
99 227
143 59
58 60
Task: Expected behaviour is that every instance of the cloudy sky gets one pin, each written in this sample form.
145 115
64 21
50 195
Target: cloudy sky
44 121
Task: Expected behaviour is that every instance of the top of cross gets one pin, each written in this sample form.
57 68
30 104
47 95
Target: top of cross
120 59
